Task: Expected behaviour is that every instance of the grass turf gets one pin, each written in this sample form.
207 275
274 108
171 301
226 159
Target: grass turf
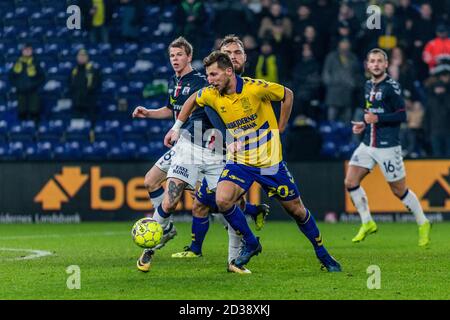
286 270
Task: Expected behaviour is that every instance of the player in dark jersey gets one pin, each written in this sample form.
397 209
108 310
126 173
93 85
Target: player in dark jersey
384 112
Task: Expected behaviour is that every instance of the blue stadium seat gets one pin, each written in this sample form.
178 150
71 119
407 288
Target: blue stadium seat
16 150
346 150
3 131
11 20
78 130
96 151
107 130
329 150
68 151
131 133
51 131
4 150
24 132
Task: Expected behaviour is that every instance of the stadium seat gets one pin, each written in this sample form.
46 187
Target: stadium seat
329 150
67 151
51 131
16 150
95 151
107 130
78 130
23 132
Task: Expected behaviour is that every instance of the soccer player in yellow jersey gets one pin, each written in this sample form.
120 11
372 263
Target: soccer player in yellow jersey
244 105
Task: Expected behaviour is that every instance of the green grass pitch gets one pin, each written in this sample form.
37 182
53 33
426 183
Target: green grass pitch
286 270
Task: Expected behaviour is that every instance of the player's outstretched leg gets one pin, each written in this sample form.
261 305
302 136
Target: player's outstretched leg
307 225
227 195
368 226
152 181
163 218
235 245
411 202
354 176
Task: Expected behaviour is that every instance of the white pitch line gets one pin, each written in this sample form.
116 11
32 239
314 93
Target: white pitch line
34 253
44 236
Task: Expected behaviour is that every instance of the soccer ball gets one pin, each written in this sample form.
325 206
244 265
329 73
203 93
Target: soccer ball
147 233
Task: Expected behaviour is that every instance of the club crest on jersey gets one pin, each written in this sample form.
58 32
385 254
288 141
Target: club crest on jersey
379 96
186 91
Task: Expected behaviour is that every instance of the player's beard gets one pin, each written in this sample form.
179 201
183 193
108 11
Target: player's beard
225 87
239 69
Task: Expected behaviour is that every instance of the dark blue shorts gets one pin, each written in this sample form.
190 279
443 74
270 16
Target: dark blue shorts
276 181
206 197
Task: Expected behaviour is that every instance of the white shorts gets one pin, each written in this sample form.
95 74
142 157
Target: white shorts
390 160
165 161
191 163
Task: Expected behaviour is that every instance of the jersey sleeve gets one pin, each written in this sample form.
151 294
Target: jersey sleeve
203 97
270 90
397 105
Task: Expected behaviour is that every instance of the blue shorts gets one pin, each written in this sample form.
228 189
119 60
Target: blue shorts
276 181
207 197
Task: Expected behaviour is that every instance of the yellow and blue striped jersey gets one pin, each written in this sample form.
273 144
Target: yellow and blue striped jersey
248 115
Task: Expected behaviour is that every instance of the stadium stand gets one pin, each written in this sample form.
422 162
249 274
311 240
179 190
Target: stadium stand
135 73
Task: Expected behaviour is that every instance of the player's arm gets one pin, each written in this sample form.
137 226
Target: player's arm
286 109
186 111
161 113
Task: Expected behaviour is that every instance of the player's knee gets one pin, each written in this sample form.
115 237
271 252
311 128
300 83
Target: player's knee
398 192
150 183
199 210
350 183
223 204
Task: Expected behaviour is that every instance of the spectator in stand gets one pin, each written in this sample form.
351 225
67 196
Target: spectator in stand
390 28
438 112
278 27
132 17
238 12
405 14
97 16
306 85
302 20
341 76
269 65
84 82
412 135
423 30
264 12
252 52
346 25
310 37
190 21
27 77
437 48
324 13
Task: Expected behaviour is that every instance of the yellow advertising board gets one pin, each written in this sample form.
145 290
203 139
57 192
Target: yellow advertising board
429 179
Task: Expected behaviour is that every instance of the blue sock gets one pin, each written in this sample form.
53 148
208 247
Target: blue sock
200 227
236 219
156 193
251 210
310 230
